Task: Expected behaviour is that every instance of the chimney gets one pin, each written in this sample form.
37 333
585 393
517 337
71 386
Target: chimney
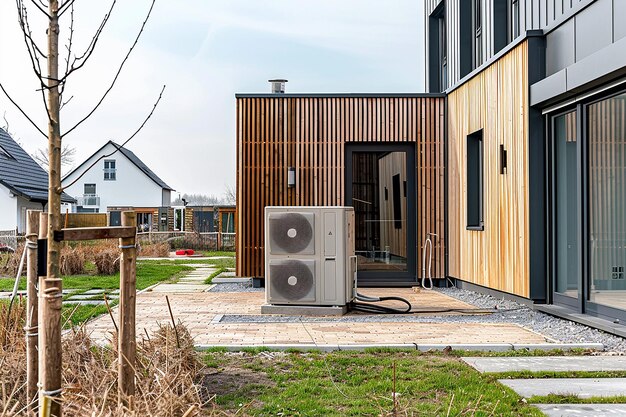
278 86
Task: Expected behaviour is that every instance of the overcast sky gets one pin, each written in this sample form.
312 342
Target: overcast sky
205 51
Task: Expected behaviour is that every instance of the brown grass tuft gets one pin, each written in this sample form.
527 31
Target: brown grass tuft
107 262
72 261
154 250
169 380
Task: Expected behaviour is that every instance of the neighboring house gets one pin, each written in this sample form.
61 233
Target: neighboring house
115 179
528 195
23 185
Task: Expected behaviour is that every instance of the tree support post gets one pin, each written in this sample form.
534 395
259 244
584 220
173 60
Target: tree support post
127 342
30 330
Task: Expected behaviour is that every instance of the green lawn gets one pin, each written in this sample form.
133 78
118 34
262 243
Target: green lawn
357 384
148 273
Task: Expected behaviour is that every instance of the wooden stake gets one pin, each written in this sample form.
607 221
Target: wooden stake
169 307
50 300
127 341
32 368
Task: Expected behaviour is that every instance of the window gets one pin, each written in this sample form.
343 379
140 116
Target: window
474 179
144 222
466 36
90 189
438 59
500 24
109 170
514 21
477 32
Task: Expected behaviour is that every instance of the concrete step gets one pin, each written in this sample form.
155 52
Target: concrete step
580 387
549 363
583 410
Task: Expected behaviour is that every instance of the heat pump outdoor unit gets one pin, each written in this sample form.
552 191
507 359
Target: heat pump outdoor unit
309 256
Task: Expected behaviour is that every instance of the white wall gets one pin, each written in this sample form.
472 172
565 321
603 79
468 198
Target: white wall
8 209
22 206
131 188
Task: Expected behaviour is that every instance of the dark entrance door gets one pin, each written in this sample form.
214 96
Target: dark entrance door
203 221
380 185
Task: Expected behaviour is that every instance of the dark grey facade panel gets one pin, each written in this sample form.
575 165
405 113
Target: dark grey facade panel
594 28
549 87
619 19
607 62
604 66
560 48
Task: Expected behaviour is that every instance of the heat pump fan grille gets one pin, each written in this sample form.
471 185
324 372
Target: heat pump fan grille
293 280
291 233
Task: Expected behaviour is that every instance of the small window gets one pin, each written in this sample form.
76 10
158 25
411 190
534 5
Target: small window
475 181
109 170
514 29
477 31
90 189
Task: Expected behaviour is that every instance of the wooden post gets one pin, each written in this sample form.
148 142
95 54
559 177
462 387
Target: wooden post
49 330
30 330
127 342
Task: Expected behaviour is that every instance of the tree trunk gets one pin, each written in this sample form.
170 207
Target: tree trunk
51 329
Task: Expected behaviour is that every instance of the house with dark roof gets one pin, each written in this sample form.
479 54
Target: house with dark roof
114 179
23 185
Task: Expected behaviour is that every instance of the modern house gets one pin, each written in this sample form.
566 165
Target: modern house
515 158
114 179
23 185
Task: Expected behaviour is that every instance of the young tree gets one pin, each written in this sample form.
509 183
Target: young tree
52 80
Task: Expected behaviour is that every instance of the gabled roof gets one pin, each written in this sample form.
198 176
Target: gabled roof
132 158
21 174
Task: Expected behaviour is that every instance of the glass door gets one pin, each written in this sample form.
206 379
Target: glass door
379 185
565 212
606 139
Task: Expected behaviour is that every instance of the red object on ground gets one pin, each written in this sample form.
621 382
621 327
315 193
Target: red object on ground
189 252
181 252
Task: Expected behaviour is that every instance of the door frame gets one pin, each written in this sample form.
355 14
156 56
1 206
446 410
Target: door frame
390 278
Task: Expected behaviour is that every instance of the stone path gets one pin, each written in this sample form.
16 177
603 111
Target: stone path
191 283
548 363
579 387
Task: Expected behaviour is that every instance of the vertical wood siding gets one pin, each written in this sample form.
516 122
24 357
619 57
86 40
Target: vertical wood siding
310 133
496 101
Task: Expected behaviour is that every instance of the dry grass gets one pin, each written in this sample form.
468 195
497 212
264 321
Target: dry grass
72 261
9 262
107 262
155 250
169 379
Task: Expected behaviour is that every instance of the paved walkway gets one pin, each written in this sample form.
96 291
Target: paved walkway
202 312
579 387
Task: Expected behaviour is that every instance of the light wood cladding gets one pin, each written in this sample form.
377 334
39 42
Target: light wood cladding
496 100
310 133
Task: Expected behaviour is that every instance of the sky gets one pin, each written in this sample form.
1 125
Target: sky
204 52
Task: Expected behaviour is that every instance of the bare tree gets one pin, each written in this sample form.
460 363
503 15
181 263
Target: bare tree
67 156
52 78
230 195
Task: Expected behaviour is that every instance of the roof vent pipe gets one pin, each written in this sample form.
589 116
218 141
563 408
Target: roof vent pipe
278 86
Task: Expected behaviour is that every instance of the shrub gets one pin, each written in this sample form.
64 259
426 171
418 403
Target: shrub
107 262
72 261
10 262
155 250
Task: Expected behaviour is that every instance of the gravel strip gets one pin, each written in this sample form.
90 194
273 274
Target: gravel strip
235 287
561 330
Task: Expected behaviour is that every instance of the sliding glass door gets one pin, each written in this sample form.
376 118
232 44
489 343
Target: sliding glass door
588 207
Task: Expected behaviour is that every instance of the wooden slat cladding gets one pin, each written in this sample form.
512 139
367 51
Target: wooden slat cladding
496 101
310 133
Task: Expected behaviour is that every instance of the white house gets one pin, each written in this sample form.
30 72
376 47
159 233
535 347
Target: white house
23 185
114 178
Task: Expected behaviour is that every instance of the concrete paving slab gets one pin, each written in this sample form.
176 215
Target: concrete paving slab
227 274
85 302
549 363
91 297
179 288
582 410
580 387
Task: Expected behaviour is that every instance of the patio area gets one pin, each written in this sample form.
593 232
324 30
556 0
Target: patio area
234 320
